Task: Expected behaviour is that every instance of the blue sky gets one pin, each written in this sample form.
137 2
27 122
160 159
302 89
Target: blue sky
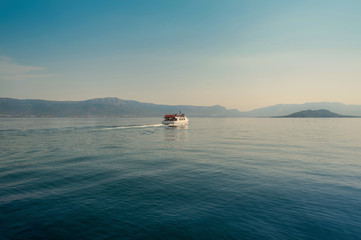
239 54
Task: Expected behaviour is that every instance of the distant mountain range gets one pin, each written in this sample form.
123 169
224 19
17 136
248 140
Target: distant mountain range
322 113
103 107
115 107
285 109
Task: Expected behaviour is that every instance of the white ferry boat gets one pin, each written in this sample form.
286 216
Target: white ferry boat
174 120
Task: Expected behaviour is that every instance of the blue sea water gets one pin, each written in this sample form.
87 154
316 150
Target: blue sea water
215 179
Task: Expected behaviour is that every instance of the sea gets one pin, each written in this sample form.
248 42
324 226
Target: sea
218 178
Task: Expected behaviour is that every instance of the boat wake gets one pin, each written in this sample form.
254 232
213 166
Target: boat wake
136 126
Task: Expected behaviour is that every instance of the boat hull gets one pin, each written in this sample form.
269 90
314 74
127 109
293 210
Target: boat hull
175 123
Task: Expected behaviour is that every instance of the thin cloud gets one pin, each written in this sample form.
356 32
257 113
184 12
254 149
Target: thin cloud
10 70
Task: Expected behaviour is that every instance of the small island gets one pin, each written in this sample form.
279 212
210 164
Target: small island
322 113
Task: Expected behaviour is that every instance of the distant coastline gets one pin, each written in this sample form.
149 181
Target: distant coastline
321 113
103 108
115 107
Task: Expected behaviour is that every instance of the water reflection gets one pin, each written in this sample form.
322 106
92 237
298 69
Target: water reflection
178 133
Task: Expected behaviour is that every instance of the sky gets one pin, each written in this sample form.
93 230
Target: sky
234 53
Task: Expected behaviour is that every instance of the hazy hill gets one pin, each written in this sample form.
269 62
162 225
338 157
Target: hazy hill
103 107
115 107
285 109
322 113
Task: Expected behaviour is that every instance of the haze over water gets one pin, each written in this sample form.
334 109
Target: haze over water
215 179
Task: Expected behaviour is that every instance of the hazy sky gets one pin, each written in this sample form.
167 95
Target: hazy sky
239 54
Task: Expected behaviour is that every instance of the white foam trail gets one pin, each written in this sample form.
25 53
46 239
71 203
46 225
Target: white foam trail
140 126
